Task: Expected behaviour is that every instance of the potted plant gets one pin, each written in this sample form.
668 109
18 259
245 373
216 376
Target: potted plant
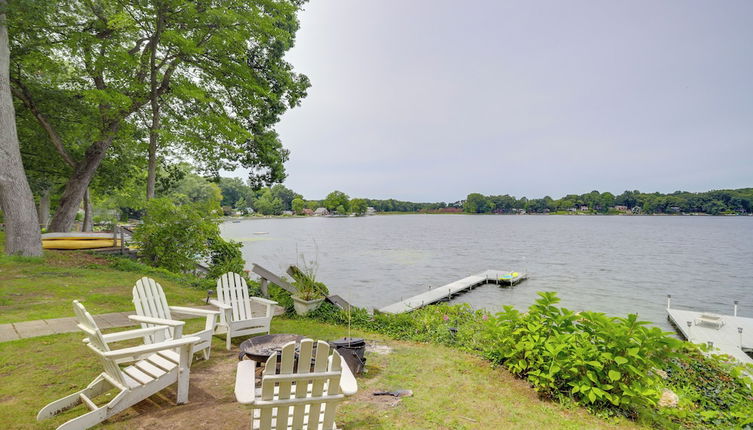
310 293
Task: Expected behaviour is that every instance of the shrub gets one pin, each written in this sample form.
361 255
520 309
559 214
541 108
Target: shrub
176 237
711 389
224 256
610 365
602 361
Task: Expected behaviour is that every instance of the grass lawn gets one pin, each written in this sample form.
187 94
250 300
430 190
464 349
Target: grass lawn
452 389
41 288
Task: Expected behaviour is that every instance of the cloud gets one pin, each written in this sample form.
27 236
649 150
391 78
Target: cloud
432 100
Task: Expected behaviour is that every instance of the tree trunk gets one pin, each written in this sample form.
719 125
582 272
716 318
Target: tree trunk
151 176
78 184
88 224
22 236
43 210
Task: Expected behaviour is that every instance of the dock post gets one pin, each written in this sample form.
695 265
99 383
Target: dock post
735 312
669 300
740 332
690 324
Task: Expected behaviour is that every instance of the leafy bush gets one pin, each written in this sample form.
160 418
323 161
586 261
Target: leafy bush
610 365
598 360
712 393
225 256
176 237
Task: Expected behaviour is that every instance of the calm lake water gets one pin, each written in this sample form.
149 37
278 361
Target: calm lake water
612 264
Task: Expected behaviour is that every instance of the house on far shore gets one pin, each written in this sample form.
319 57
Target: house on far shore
583 208
370 211
321 212
308 212
287 213
621 208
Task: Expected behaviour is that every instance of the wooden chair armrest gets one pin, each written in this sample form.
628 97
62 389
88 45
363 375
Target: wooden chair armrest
158 321
193 311
131 334
263 301
220 304
348 383
245 382
145 349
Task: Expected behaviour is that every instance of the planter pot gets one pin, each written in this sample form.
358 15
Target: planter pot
302 307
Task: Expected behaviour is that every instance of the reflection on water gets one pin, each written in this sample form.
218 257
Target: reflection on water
614 264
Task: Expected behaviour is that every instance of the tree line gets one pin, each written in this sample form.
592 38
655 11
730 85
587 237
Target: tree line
716 202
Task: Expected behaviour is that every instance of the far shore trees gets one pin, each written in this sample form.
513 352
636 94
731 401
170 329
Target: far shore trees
358 206
336 201
297 205
220 63
16 200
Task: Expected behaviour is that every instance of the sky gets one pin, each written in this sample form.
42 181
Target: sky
431 100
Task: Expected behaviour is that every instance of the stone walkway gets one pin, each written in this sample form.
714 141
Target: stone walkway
26 329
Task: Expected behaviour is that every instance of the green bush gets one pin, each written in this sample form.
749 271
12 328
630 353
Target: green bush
610 365
598 360
711 391
176 237
225 256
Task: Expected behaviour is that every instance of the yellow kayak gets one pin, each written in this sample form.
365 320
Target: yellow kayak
78 243
78 240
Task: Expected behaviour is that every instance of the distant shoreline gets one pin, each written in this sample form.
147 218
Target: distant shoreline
259 217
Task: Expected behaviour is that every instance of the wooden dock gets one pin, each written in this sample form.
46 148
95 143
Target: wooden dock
446 292
726 334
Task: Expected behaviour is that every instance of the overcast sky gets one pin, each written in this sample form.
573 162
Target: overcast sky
431 100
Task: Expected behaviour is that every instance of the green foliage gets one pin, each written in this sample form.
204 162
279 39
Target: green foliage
225 256
609 365
358 206
297 205
268 204
598 360
476 203
307 285
176 237
336 200
712 393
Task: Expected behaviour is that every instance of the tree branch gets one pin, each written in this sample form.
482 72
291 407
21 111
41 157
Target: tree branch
22 94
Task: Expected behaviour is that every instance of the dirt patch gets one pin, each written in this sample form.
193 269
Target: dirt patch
211 402
380 402
73 258
378 348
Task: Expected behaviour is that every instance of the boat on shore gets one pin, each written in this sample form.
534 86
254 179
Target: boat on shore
79 240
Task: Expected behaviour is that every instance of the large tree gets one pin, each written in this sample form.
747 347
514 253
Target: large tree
16 201
215 68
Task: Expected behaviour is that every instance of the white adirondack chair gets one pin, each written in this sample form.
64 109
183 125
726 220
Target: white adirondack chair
296 399
154 367
236 318
152 309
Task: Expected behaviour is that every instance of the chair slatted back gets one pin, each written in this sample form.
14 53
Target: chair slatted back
96 341
233 291
306 396
149 300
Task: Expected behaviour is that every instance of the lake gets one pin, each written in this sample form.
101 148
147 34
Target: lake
612 264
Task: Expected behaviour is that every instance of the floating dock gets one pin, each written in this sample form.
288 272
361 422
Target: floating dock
726 334
446 292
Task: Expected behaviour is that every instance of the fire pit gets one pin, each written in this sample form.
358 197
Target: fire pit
352 350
